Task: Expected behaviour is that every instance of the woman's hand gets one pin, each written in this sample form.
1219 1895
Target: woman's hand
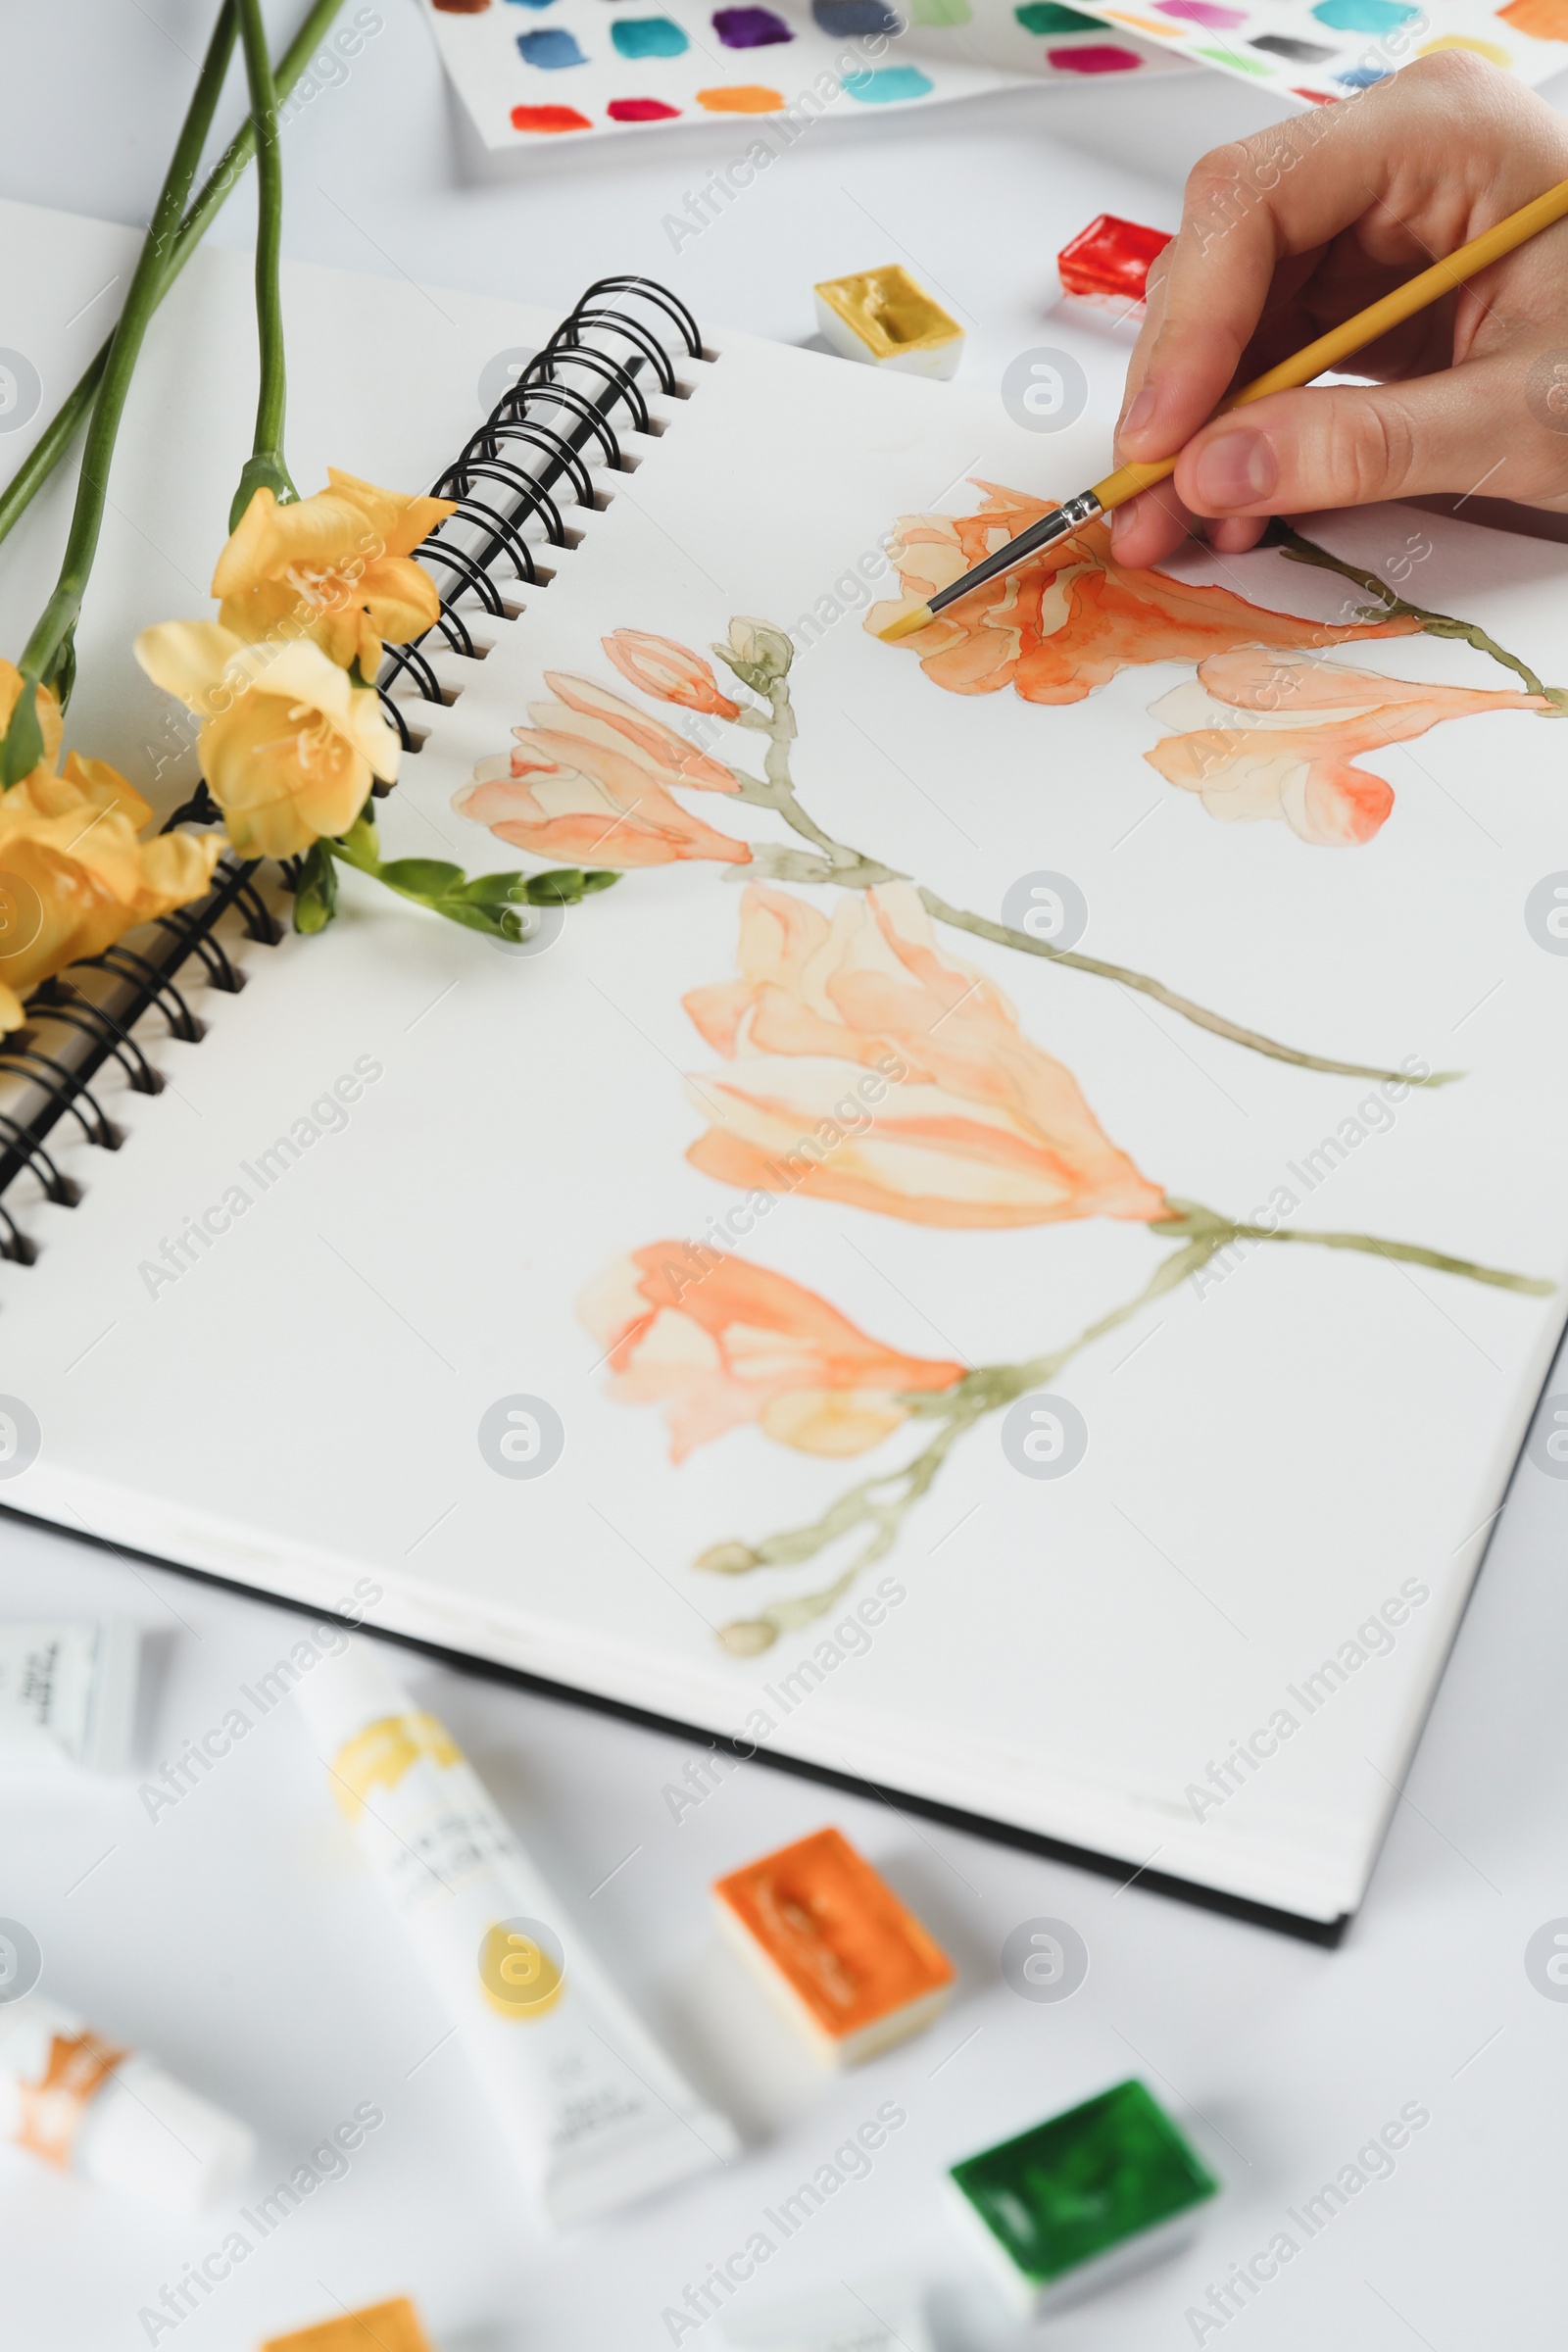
1286 234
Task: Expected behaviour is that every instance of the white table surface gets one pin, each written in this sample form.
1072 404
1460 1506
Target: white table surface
235 1936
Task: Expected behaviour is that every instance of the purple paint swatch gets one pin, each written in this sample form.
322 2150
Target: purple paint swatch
750 27
1202 11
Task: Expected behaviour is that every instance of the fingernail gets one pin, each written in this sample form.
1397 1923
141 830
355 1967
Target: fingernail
1142 411
1121 520
1234 472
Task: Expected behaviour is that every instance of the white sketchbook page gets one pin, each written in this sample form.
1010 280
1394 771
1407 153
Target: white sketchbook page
568 59
302 1408
1324 50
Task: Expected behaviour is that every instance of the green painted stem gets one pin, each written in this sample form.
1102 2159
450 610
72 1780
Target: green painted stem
1189 1220
852 870
1146 985
1299 550
47 652
68 419
266 469
881 1502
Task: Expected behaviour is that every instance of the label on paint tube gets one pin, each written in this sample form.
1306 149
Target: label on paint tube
67 1689
594 2113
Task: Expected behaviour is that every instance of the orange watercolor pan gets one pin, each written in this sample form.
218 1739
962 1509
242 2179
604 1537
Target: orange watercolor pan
833 1946
381 2328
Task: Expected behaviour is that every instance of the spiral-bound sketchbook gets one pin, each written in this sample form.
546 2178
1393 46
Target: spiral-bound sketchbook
1006 1259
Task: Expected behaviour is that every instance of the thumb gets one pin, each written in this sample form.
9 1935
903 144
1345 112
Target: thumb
1349 445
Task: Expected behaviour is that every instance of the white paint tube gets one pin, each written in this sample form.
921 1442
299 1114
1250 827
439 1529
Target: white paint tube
112 2115
67 1689
595 2113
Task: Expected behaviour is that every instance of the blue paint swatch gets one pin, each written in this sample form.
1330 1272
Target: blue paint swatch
533 3
552 47
845 20
1362 77
750 27
888 85
647 36
1364 15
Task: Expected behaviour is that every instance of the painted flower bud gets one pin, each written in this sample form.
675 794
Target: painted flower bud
727 1559
760 653
747 1636
671 673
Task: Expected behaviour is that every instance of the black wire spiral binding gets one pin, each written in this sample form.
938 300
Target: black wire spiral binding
53 1073
489 530
529 462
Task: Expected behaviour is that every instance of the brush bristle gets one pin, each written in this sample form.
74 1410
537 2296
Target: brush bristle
907 625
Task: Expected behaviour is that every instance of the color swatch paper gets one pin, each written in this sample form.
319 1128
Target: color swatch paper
1319 51
532 70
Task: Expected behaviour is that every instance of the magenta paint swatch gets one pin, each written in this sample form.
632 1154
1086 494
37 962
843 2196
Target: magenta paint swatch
640 110
1202 11
1095 57
750 27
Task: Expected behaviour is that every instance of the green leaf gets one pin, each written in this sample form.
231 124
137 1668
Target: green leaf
495 923
316 898
62 670
24 741
359 846
424 878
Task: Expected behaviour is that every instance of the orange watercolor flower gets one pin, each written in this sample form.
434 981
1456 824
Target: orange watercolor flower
722 1343
671 673
1267 735
981 1128
1068 619
590 784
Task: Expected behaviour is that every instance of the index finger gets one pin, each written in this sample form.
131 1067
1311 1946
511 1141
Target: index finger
1394 160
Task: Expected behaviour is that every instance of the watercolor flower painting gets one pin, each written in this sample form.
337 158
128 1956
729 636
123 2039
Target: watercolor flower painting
1067 621
986 1130
864 1065
720 1343
590 783
1264 734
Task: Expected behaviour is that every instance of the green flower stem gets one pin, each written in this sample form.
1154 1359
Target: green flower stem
47 653
490 903
215 191
1198 1015
1191 1219
852 870
266 469
882 1502
1297 550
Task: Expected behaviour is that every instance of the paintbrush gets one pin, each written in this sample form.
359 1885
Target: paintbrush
1127 482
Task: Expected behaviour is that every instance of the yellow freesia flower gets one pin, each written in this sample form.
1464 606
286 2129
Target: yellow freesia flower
334 568
73 875
51 724
289 744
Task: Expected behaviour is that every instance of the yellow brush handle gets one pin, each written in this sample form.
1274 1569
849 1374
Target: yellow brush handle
1365 328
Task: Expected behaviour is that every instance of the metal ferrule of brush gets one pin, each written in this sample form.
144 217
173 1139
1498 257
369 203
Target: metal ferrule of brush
1059 523
1072 516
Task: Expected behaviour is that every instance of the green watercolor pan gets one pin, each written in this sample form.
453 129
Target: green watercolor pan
1082 2199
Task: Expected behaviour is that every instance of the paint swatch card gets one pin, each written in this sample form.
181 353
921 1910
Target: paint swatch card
536 69
1317 51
